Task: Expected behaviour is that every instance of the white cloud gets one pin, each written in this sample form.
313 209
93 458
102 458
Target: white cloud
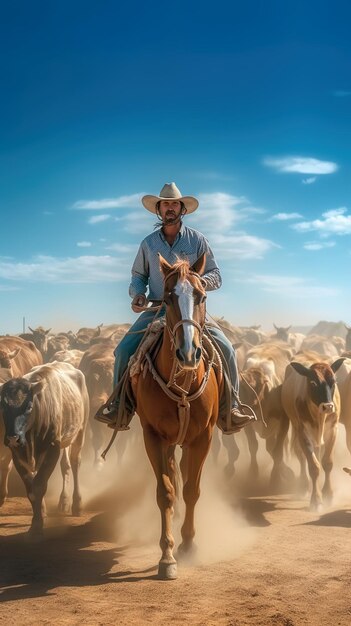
137 222
301 165
286 216
83 269
95 219
125 248
240 246
289 286
83 244
334 222
318 245
122 202
219 212
309 181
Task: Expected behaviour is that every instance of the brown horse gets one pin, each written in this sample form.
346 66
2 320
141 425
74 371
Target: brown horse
177 402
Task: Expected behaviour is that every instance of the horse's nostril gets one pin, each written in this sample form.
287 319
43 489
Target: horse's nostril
179 355
198 354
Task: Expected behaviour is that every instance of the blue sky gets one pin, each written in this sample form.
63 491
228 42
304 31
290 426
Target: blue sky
247 106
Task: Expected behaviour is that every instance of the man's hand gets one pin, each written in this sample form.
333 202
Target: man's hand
138 303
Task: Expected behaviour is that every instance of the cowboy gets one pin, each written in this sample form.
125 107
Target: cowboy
173 240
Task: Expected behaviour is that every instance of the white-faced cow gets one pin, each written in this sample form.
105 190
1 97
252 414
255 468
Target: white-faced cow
44 411
311 400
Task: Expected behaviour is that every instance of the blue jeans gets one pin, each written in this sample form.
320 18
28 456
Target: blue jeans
129 344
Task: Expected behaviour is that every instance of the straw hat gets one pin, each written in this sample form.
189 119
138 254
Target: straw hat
170 191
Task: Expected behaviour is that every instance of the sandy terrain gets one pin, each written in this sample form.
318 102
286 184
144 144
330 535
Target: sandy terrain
262 559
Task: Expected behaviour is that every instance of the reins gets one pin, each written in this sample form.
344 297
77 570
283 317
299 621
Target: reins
183 399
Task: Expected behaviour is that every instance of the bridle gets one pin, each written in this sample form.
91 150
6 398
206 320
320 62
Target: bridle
180 394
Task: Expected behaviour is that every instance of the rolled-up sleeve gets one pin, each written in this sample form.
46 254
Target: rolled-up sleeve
211 277
140 273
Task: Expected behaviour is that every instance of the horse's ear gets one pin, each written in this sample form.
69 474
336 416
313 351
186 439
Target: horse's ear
199 265
165 267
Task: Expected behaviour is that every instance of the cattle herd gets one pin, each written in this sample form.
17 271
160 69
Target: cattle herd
51 386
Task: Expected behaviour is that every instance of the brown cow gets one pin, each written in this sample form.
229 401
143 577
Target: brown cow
311 400
44 411
257 390
97 365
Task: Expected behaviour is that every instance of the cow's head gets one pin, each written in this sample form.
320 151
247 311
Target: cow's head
40 338
16 404
282 333
320 383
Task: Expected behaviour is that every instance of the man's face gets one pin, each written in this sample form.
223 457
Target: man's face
170 210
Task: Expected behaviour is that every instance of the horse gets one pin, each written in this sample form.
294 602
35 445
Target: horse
177 401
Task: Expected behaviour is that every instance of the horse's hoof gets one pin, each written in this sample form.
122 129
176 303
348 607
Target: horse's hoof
167 571
187 553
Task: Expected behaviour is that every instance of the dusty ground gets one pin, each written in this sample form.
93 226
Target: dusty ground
262 558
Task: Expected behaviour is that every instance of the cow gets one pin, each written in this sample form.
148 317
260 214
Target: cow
68 356
39 336
261 393
311 400
84 337
43 412
293 339
343 378
348 338
17 357
97 365
272 358
324 345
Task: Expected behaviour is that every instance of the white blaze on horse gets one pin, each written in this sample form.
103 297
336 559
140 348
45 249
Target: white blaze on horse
43 412
177 402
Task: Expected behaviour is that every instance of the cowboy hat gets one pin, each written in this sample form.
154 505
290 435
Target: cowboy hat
170 191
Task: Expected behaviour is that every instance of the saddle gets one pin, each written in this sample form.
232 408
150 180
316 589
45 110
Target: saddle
138 366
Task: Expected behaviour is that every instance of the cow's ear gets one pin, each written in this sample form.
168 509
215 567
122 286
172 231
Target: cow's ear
47 331
38 387
200 264
301 369
335 366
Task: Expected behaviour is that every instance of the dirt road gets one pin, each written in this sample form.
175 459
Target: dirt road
262 559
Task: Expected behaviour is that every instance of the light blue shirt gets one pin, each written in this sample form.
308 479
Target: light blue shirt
189 244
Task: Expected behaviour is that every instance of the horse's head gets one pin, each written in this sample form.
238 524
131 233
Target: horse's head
185 299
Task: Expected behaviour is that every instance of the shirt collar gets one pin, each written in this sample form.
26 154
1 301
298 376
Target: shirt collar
180 234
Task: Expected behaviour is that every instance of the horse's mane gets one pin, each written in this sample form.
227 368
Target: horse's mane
183 268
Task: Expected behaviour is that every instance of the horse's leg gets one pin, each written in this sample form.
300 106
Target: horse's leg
157 452
191 491
184 464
